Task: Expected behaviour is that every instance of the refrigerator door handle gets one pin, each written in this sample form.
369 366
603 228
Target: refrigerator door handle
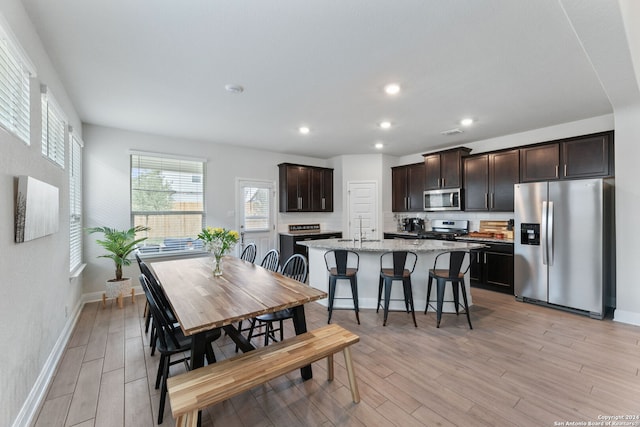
549 242
543 233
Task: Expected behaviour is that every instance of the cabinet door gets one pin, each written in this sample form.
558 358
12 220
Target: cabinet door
504 172
321 190
476 183
432 171
585 158
399 189
475 269
415 187
450 169
292 198
539 163
498 269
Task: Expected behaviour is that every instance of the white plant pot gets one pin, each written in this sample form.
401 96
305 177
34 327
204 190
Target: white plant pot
116 288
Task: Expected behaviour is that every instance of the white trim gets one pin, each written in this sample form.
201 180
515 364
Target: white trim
628 317
7 32
168 156
31 405
77 272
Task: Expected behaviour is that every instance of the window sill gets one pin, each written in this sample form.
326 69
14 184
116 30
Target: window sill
77 272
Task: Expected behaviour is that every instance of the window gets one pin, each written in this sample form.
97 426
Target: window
75 203
53 129
256 210
15 73
167 195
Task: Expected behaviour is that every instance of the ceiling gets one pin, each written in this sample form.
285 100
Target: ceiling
161 66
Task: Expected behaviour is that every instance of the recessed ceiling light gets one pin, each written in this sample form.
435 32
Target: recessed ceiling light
234 88
385 125
466 122
392 89
379 145
303 130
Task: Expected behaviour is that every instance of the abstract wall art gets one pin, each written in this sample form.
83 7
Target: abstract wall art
37 209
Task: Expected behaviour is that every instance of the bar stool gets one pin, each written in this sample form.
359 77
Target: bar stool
342 264
453 275
397 265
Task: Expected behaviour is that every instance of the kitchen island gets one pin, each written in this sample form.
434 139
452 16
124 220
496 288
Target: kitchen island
369 272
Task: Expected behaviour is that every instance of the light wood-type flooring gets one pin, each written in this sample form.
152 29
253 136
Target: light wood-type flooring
521 365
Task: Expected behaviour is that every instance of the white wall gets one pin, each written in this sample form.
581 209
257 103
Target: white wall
106 180
37 298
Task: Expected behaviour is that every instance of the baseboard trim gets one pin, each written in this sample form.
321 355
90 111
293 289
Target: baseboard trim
630 317
34 400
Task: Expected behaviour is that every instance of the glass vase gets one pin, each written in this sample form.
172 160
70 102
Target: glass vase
217 265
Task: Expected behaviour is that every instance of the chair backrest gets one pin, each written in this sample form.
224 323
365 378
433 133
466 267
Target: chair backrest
156 289
296 268
159 315
341 259
456 258
399 261
249 252
271 260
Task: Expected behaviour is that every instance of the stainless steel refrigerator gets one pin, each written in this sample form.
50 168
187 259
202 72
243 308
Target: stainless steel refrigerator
564 249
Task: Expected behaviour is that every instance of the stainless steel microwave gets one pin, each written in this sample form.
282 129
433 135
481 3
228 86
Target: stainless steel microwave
449 199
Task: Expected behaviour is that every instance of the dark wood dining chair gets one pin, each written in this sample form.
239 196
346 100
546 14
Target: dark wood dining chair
249 252
296 268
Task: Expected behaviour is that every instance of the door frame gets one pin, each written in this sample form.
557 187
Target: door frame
377 202
273 235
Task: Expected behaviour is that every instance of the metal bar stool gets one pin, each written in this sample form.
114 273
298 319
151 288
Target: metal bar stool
453 275
342 264
397 265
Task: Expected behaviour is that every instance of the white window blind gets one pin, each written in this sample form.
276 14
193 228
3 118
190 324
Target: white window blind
256 209
167 195
15 73
75 203
53 129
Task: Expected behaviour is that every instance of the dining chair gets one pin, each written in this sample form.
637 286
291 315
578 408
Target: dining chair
295 267
453 274
342 265
271 262
249 253
171 342
397 266
147 311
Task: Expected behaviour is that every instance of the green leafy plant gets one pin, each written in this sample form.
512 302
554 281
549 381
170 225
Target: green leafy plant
119 244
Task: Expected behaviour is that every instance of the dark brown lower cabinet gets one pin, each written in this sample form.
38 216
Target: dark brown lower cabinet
492 267
289 243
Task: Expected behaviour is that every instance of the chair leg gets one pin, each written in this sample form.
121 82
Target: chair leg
251 328
281 331
332 294
210 355
456 295
466 304
440 289
408 292
379 293
160 368
429 283
354 294
387 297
163 390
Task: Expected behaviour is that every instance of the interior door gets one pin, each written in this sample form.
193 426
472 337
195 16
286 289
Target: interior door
363 209
256 215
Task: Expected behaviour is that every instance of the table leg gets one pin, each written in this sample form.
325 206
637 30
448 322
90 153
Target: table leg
300 326
240 340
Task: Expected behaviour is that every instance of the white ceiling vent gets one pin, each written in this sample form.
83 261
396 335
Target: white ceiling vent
451 132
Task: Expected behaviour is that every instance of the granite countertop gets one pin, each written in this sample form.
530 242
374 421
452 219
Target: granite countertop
391 245
486 239
402 233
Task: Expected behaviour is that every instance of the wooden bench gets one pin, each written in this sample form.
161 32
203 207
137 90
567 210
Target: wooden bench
192 391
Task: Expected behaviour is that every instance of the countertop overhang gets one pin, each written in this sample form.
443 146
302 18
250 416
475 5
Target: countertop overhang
386 245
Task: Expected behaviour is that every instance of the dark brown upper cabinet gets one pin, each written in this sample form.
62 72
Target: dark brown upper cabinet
407 186
588 156
305 188
489 179
444 169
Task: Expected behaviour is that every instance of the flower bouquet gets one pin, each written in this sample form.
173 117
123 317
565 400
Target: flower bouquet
218 241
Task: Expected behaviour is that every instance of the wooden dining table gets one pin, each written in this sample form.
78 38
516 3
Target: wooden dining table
202 302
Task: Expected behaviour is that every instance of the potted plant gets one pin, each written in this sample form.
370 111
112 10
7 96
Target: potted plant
119 244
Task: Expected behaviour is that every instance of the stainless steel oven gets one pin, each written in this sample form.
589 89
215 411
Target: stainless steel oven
449 199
